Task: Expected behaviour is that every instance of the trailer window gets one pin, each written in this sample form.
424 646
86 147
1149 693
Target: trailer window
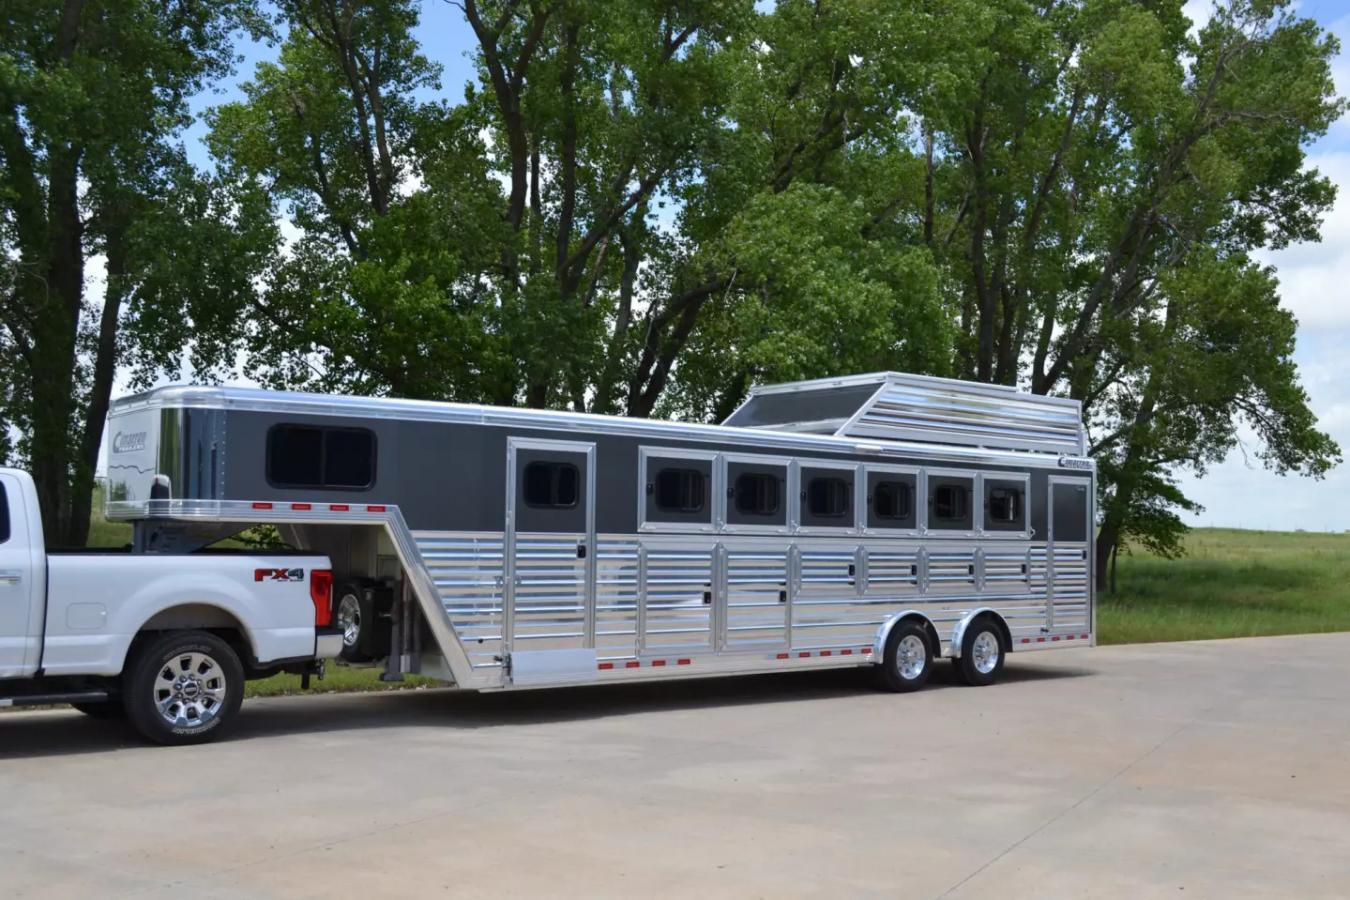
307 456
1005 505
892 500
551 485
828 498
4 515
950 502
756 494
680 490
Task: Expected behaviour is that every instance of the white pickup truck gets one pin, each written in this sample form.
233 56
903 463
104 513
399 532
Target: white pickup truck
166 640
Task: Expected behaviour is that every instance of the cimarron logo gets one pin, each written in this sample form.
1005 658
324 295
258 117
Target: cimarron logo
128 441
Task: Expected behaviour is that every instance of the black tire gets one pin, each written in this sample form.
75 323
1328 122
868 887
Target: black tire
193 675
898 671
354 613
108 709
975 665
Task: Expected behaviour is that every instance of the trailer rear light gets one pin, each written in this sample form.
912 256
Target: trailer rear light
321 592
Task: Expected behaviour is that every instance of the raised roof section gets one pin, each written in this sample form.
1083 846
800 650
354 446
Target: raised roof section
917 409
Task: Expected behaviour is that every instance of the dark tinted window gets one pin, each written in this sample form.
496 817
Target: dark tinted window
551 485
828 498
950 502
1005 505
312 457
756 494
892 500
4 515
680 490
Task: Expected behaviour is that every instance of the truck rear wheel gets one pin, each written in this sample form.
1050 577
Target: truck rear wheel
354 613
183 687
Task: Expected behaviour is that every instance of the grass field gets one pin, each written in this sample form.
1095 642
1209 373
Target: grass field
1229 584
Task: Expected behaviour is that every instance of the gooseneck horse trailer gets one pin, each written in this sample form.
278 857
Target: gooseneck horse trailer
880 520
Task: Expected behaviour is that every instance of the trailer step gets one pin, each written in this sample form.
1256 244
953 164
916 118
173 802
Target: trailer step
53 698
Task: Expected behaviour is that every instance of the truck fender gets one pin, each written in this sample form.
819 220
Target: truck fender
884 631
959 632
157 603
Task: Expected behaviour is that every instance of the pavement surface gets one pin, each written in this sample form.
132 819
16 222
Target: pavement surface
1165 770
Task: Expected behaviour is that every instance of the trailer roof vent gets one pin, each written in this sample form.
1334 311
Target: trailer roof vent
917 409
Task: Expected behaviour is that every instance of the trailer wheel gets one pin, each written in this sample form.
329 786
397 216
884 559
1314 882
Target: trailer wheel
908 659
183 687
982 653
354 613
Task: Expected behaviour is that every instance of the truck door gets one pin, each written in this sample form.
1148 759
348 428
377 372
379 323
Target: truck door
550 545
20 623
1070 532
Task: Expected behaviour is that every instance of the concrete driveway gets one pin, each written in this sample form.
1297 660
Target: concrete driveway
1176 770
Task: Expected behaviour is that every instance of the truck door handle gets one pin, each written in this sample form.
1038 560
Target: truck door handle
11 577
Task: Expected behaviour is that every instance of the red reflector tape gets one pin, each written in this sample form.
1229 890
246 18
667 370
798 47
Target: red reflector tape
631 664
1055 638
374 509
338 507
683 662
606 665
845 652
1026 640
658 662
803 655
866 650
784 655
826 653
262 506
1040 640
301 506
1085 637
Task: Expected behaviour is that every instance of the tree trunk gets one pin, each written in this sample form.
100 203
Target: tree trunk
1108 539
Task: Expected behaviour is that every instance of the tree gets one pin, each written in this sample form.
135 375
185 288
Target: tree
91 95
1098 187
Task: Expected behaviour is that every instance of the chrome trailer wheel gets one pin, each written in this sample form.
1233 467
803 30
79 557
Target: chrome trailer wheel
982 652
907 660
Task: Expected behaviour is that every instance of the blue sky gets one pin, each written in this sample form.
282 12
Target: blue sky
1314 279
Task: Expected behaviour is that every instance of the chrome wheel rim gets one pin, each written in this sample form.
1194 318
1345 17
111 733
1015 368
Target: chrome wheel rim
911 655
349 619
985 652
190 690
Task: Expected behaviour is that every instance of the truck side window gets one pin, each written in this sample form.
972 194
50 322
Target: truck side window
552 485
309 456
4 514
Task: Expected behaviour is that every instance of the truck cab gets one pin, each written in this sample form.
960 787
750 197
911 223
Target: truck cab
165 638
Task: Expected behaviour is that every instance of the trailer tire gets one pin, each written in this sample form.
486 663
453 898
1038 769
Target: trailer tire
354 612
908 658
982 653
183 687
108 709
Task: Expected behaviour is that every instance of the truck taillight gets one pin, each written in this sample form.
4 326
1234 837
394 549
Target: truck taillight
321 592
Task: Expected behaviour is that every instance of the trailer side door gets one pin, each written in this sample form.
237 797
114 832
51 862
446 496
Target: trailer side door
551 548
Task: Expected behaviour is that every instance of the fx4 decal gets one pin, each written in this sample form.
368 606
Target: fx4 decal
278 574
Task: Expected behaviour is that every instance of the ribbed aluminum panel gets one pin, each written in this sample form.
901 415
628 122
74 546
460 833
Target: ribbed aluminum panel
549 608
678 581
955 414
892 570
616 597
467 572
951 571
757 587
1006 570
1071 587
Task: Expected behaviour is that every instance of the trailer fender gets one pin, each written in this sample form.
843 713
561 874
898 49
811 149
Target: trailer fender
884 631
959 632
